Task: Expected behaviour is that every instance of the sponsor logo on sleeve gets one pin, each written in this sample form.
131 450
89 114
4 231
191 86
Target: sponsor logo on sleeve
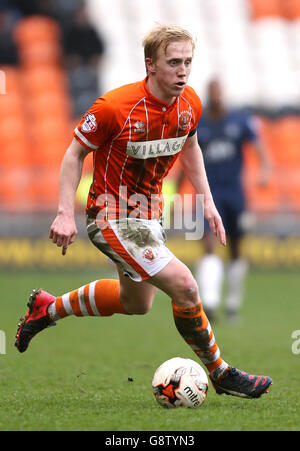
90 123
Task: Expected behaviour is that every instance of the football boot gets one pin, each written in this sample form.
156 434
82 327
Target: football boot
238 383
36 318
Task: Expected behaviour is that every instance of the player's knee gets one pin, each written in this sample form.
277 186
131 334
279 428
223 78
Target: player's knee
186 292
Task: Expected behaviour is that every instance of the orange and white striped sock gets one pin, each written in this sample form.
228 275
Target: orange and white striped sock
194 327
98 298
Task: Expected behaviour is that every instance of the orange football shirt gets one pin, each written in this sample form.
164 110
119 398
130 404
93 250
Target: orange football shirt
136 138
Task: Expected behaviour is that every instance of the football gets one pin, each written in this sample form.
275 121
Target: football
180 382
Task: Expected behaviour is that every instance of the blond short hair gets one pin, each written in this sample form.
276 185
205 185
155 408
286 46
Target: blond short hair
163 35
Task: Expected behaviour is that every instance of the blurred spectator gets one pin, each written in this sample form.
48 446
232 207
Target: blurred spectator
65 9
30 7
8 49
82 43
83 48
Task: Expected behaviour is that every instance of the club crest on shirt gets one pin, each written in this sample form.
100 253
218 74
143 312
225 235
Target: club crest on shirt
185 119
149 255
90 123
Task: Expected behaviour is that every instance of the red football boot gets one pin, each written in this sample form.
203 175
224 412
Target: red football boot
35 320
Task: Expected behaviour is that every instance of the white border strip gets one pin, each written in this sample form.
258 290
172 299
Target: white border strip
83 138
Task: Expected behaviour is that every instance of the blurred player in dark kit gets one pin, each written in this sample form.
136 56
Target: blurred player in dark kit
221 136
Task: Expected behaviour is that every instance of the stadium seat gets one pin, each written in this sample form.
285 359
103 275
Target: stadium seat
35 119
11 101
14 143
290 9
275 137
45 189
288 134
50 139
11 104
292 192
260 9
259 198
50 103
10 77
35 28
282 138
16 190
37 38
262 199
41 53
41 78
13 135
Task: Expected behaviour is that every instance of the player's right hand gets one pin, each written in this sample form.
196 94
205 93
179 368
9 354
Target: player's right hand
63 231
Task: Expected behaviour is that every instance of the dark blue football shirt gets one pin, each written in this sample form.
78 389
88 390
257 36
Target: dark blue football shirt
222 143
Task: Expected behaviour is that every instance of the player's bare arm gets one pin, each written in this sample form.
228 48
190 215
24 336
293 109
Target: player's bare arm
192 163
265 165
63 230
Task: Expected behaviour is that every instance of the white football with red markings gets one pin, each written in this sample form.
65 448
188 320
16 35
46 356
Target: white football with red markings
180 382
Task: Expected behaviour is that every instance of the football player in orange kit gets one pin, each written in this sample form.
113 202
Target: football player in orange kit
136 133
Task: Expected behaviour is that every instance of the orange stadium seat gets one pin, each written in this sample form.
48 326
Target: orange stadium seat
8 192
38 41
11 77
290 9
289 140
267 131
45 189
262 199
39 79
49 103
41 53
49 154
51 138
11 104
282 138
13 135
261 9
16 190
35 119
14 147
292 193
36 28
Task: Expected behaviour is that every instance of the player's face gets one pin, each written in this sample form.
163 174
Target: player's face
170 72
215 94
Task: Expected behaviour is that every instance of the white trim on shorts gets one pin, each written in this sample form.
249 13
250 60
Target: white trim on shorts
135 245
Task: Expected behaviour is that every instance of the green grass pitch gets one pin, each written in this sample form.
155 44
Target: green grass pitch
95 373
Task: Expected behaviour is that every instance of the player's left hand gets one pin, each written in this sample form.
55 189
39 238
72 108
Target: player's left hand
264 176
215 221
